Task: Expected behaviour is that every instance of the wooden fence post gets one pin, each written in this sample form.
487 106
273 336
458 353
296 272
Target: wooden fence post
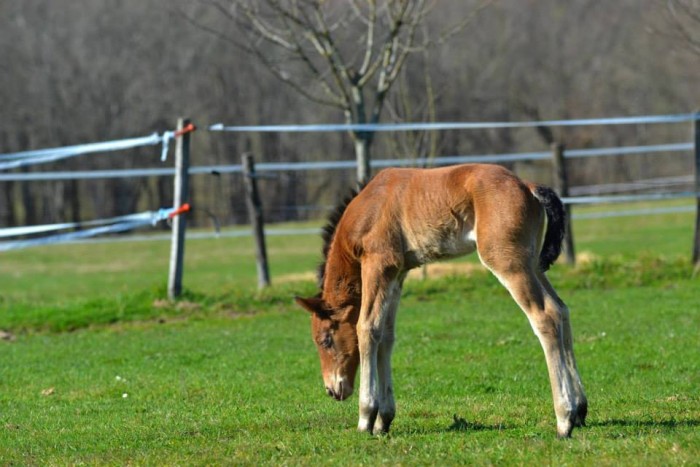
256 219
180 197
696 139
561 182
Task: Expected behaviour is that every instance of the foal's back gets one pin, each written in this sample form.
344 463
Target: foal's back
415 216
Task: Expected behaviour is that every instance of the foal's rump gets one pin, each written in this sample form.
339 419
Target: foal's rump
518 224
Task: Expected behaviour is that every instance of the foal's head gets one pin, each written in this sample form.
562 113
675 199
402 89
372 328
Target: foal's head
335 337
333 330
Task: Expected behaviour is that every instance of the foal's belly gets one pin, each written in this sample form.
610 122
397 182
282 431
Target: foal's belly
439 246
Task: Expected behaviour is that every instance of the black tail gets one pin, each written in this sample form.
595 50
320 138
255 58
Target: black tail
556 226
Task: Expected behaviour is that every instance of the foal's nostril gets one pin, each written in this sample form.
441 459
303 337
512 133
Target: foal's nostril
334 395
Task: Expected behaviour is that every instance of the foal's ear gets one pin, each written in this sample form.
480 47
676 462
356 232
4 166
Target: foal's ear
314 305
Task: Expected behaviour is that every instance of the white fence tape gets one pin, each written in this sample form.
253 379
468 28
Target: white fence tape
629 198
105 226
35 229
43 156
70 236
346 164
633 212
375 127
637 185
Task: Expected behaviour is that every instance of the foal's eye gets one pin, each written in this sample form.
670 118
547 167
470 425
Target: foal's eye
327 341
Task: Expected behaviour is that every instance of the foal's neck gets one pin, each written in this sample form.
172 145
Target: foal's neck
342 284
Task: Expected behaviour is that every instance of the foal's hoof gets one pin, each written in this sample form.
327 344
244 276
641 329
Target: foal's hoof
563 433
381 427
564 429
367 424
581 413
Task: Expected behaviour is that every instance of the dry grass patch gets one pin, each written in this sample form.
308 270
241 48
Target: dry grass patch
432 271
436 270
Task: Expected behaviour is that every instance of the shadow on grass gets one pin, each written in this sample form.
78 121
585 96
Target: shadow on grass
669 424
460 424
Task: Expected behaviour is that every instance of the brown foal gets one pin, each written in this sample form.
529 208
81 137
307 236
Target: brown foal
404 218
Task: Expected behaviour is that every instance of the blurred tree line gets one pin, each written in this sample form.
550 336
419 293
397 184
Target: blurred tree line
77 71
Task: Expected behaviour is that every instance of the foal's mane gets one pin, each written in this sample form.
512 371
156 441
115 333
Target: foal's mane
328 231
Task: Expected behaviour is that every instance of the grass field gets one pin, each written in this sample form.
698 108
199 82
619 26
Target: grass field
100 369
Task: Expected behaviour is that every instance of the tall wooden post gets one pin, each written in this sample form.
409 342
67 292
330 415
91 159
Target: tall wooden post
180 197
255 215
561 182
696 139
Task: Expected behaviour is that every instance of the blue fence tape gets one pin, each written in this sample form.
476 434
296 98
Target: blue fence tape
116 225
377 127
35 229
346 164
637 185
625 150
43 156
629 198
70 236
634 212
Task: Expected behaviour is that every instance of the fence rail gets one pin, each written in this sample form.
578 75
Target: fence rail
376 127
348 164
26 158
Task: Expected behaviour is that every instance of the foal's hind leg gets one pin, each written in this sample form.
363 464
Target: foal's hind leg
580 395
548 319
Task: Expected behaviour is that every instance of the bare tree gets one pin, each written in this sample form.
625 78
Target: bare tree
78 71
345 55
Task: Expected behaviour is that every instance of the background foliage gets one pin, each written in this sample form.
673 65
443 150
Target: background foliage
77 71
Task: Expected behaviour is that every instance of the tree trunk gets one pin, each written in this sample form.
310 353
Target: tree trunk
361 139
362 144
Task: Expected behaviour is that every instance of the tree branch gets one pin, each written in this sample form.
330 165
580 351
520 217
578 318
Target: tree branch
214 32
265 30
369 42
338 102
448 33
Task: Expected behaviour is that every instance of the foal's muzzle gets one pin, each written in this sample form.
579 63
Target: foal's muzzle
341 394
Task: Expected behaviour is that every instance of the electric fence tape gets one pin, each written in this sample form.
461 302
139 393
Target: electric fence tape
43 156
116 225
362 127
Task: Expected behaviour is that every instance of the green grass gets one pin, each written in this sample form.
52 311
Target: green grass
102 370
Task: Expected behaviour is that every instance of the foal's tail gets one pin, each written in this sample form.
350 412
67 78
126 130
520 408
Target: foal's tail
556 225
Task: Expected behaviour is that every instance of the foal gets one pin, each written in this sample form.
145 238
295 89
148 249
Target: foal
404 218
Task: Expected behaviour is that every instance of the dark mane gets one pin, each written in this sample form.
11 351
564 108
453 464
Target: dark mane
329 230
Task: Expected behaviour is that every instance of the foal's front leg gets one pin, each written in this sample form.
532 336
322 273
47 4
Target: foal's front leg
378 308
368 340
387 406
377 406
